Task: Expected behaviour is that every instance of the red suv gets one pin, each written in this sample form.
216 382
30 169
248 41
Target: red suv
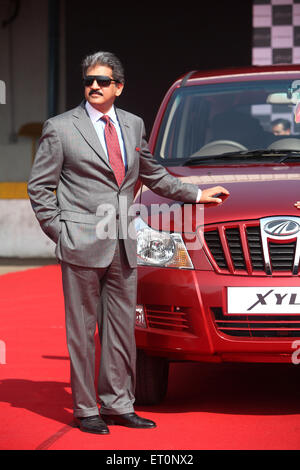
221 283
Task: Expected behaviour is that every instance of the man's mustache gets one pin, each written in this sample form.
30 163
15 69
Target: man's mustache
95 92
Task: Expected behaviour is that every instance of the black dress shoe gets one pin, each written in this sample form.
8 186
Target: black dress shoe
130 420
92 424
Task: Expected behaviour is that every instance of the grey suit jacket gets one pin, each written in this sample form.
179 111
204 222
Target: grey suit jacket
72 184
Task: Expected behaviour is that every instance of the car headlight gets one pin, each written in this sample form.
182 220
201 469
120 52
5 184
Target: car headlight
156 248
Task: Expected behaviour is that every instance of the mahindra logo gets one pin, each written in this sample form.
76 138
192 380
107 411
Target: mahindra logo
282 228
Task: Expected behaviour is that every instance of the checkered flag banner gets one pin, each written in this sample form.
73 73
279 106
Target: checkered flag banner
276 40
276 32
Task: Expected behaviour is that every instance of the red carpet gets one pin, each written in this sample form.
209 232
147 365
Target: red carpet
229 406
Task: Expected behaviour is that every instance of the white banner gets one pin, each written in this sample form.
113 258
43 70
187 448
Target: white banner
263 300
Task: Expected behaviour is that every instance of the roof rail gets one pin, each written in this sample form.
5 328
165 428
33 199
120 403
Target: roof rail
186 77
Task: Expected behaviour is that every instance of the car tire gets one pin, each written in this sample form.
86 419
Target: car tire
151 378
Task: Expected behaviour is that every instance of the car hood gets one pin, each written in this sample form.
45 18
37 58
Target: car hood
256 191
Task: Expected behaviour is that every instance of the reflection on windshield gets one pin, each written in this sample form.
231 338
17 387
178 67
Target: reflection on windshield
215 119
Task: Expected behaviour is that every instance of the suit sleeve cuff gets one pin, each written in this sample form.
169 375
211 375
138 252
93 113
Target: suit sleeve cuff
199 195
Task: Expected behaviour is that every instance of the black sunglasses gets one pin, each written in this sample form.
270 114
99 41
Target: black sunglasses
102 80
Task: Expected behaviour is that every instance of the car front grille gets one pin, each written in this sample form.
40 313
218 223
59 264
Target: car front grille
257 326
236 248
167 317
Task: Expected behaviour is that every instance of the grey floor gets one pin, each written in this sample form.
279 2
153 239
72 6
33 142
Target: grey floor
9 265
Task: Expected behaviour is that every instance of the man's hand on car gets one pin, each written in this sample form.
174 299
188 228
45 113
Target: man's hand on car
213 194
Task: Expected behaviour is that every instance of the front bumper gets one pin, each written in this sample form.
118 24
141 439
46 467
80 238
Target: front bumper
182 308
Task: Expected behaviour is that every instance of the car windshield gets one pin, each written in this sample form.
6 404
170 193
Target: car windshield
229 121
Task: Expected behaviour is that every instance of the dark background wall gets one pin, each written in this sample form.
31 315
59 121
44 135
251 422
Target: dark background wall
156 43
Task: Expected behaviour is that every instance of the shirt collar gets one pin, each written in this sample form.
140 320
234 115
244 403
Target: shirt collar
95 115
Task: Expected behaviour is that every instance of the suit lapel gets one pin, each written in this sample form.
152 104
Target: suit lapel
128 137
84 125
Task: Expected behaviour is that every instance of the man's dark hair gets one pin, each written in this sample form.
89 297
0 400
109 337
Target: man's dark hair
285 123
107 59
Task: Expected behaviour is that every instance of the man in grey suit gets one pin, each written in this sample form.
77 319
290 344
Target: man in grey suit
90 158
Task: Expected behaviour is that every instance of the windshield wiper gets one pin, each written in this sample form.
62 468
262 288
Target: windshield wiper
245 154
289 154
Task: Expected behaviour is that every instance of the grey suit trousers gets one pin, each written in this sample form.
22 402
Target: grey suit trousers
106 296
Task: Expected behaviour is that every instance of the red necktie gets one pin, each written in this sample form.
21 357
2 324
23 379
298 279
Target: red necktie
113 150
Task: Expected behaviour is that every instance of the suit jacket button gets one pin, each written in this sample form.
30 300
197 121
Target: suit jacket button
117 216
